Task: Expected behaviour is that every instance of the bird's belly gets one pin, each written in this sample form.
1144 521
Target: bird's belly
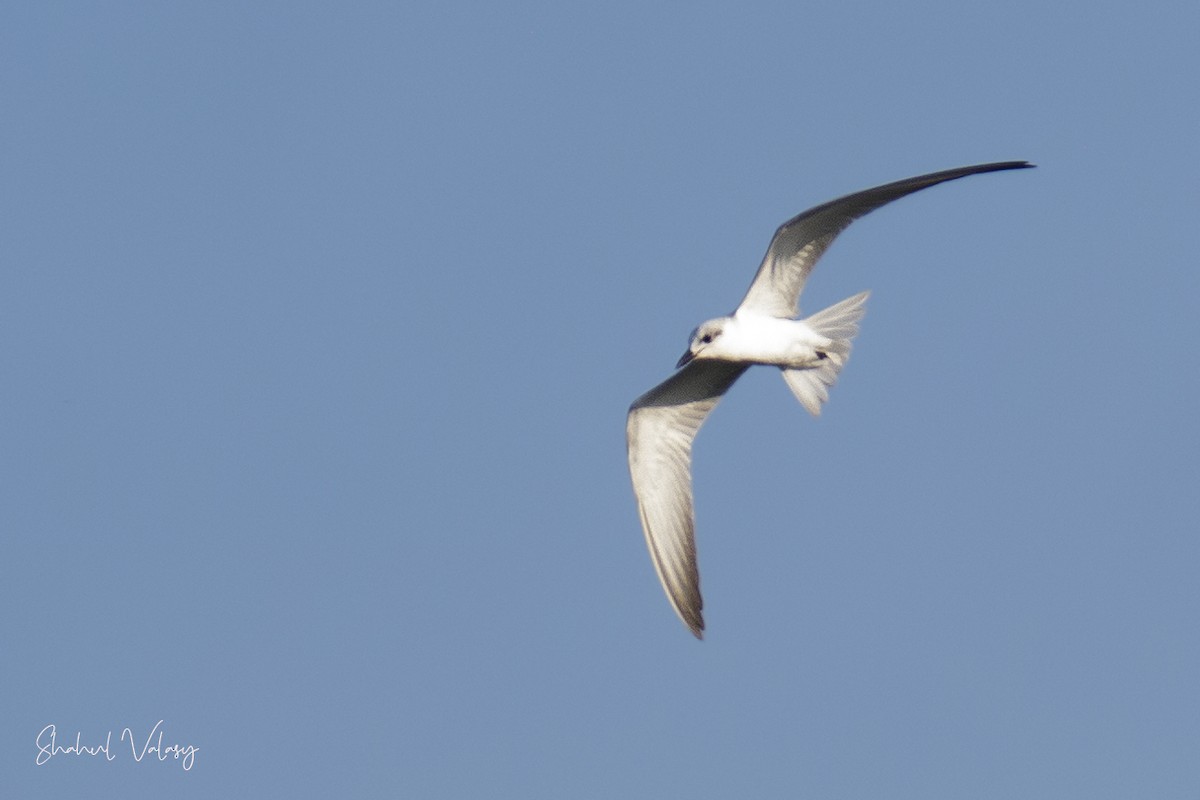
794 357
774 342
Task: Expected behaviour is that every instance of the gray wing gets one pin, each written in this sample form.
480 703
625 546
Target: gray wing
799 242
659 431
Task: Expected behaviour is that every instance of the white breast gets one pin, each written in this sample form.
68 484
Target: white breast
769 340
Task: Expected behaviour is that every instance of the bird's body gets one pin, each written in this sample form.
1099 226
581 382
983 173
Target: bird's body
751 338
765 329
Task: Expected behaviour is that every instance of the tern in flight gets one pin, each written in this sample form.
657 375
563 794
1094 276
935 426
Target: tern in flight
765 329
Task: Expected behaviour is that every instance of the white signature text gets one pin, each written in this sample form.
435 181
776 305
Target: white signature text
49 746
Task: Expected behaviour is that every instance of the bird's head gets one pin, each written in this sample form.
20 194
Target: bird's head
703 339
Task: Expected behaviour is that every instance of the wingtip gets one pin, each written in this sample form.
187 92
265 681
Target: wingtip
997 166
693 621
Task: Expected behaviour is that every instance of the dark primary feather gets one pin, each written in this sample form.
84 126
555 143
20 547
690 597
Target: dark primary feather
800 242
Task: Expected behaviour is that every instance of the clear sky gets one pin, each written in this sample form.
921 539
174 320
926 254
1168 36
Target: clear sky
318 326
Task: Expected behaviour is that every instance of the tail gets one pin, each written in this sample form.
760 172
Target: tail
840 323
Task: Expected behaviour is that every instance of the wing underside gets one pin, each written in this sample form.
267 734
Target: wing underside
801 241
660 429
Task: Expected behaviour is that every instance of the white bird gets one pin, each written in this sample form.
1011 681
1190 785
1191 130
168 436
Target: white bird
764 329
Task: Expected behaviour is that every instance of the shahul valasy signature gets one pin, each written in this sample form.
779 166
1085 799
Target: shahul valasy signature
48 746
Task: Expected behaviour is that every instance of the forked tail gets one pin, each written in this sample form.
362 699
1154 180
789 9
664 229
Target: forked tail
839 322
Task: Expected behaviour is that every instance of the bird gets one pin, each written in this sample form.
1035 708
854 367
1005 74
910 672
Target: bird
766 329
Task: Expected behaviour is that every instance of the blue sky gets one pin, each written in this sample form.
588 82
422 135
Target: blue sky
319 327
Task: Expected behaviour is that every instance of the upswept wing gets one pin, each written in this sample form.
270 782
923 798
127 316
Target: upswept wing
800 242
659 431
